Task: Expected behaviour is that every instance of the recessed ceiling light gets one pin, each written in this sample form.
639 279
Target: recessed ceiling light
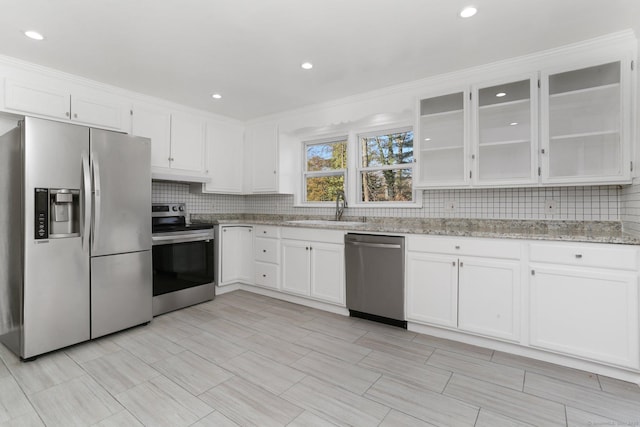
34 35
500 94
427 139
513 124
306 65
216 96
468 12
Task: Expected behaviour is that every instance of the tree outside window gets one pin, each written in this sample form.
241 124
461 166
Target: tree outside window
386 166
325 169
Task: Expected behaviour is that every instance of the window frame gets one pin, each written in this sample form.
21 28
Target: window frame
416 201
335 172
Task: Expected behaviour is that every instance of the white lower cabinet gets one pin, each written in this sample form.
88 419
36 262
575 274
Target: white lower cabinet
267 256
314 269
432 288
587 313
327 272
470 293
235 255
489 297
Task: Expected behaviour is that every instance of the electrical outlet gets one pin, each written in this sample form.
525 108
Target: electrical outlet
550 207
450 206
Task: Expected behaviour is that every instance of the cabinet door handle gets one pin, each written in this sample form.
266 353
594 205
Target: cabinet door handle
457 247
306 248
264 232
66 114
264 275
578 256
453 263
264 250
75 116
461 264
533 272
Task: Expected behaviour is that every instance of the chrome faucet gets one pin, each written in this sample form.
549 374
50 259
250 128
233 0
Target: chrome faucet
340 207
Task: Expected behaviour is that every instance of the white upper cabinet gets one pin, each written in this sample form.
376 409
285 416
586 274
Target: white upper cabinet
441 140
154 123
187 142
585 123
262 143
57 100
225 150
177 140
505 132
549 125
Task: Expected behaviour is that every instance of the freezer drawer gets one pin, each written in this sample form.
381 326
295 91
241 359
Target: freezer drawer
121 292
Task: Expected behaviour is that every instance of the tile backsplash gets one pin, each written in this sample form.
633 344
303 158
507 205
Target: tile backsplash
595 203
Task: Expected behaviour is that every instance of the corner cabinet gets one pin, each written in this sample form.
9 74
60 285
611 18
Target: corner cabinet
235 254
586 123
262 145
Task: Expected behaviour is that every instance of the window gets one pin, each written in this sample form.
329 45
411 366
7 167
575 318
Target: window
325 169
385 169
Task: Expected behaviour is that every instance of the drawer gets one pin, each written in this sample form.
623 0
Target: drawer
266 250
313 234
491 248
267 231
586 255
266 275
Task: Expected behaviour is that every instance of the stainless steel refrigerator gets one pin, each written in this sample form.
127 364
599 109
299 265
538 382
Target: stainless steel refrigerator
75 233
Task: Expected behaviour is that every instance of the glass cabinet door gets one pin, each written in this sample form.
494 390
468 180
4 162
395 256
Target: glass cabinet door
441 140
583 124
505 132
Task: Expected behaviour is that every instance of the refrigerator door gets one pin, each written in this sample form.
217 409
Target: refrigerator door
121 167
56 270
121 289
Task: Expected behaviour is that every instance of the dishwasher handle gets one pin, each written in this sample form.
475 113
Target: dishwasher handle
375 245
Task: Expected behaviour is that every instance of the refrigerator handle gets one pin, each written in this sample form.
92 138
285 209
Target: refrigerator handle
96 199
86 200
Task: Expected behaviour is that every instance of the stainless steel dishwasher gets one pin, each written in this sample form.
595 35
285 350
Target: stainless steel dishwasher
375 277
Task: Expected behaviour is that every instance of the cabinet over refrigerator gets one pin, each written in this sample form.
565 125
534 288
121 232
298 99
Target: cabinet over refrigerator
75 233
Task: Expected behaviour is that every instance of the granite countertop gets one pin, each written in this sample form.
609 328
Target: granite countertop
572 231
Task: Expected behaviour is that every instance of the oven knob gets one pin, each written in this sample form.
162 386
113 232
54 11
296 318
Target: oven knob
174 208
181 208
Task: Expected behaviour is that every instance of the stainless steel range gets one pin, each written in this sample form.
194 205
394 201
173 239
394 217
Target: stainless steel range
183 255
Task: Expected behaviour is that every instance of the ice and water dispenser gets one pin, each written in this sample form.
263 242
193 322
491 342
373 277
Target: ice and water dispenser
57 213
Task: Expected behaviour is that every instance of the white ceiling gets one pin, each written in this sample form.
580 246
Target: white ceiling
250 51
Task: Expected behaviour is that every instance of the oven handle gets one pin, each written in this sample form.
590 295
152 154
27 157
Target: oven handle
168 240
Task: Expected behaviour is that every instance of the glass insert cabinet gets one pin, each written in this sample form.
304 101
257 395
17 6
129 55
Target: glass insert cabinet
555 126
583 124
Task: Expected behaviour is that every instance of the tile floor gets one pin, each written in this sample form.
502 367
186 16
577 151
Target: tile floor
245 359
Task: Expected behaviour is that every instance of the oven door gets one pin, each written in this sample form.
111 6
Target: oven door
181 263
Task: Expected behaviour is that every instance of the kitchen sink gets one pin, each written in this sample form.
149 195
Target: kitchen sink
327 222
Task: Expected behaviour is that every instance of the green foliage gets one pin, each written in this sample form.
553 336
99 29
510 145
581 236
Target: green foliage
387 150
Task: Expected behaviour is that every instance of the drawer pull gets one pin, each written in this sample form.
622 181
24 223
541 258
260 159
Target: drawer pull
264 250
264 232
264 275
578 256
457 247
